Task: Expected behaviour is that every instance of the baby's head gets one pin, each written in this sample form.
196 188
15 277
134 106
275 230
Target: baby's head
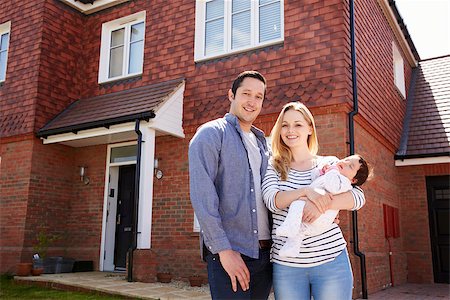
355 168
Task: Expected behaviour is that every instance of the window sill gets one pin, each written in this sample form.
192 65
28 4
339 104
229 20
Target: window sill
400 93
247 52
120 80
232 53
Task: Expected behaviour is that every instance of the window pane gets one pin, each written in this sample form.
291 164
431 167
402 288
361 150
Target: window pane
117 37
135 62
241 30
115 62
214 9
137 32
4 42
262 2
3 65
121 154
269 22
214 37
239 5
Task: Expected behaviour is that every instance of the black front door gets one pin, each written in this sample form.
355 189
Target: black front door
438 193
124 217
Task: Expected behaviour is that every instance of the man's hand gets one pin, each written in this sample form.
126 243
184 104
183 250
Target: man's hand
310 212
322 202
236 268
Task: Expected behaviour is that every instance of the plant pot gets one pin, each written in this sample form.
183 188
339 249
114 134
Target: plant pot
195 280
24 269
37 272
164 277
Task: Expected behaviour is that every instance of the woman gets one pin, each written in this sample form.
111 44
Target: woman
321 268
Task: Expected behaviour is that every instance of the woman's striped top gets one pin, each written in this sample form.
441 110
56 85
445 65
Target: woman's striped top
315 250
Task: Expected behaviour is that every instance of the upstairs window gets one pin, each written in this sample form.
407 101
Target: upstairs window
399 71
5 29
228 26
122 48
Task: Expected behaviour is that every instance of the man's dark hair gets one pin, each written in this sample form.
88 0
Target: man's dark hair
363 172
253 74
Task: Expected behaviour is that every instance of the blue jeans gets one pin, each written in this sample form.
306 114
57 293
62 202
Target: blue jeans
260 277
331 280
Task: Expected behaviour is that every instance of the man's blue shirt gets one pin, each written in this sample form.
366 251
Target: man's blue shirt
221 186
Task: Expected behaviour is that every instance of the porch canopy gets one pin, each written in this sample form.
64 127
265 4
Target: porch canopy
110 118
426 129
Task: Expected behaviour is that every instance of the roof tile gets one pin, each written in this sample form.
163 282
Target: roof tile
85 113
426 130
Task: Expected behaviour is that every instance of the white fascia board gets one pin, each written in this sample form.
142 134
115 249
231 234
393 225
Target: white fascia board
422 161
92 8
384 4
169 117
89 133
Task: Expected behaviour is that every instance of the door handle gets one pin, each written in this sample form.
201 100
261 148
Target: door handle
118 220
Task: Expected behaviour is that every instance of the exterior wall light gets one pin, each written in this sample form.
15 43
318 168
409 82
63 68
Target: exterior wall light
158 173
84 178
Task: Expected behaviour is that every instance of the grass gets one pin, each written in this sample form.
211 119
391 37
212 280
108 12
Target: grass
12 291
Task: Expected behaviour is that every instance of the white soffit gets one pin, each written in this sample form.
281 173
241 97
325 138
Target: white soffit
422 161
92 8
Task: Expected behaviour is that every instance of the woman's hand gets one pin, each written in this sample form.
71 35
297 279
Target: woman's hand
322 202
310 212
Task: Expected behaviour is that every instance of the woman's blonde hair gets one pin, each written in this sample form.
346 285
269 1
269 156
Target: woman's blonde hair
281 154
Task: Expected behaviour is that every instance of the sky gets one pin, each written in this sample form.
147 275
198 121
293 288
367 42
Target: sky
428 23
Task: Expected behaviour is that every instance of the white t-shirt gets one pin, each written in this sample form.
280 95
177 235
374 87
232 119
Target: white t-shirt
254 157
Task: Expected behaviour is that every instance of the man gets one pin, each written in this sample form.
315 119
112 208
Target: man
227 160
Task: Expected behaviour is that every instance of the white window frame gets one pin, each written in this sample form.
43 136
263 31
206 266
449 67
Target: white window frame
399 70
107 29
200 15
5 28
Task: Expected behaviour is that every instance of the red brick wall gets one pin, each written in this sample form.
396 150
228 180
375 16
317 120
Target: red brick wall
18 92
15 168
42 191
414 216
382 189
56 59
84 224
61 60
51 180
310 64
379 101
45 63
173 240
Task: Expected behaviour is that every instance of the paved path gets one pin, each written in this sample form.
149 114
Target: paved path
410 291
115 283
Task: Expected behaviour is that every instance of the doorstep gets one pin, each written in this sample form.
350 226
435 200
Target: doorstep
111 283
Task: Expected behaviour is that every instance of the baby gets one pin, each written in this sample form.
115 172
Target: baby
335 179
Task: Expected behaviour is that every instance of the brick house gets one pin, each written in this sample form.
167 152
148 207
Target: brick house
95 94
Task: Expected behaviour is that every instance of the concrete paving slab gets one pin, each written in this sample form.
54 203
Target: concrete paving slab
115 283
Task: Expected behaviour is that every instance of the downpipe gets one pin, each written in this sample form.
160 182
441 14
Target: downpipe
136 203
351 129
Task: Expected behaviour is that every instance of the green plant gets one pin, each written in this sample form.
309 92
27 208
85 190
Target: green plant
44 240
15 290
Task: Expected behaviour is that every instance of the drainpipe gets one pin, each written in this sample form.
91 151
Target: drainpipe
136 202
351 129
